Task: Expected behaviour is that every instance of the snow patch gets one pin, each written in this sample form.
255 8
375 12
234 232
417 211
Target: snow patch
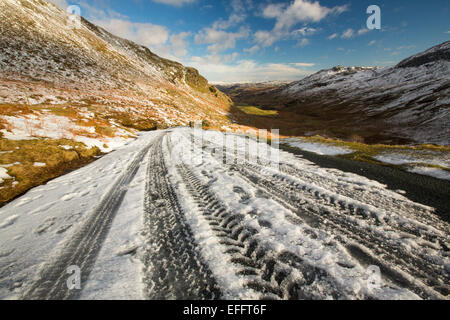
432 172
316 147
4 174
39 164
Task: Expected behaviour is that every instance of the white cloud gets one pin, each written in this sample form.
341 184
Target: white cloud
216 36
176 3
274 10
302 43
305 31
303 64
299 11
220 40
156 37
371 43
287 16
179 43
146 34
237 16
233 20
362 31
267 38
246 70
252 50
334 35
349 33
406 47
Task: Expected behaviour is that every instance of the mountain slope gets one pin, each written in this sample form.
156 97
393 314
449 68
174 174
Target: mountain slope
69 94
406 103
89 66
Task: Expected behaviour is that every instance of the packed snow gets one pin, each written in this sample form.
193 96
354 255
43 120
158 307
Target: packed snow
416 156
36 227
316 147
39 164
4 174
58 127
432 172
414 162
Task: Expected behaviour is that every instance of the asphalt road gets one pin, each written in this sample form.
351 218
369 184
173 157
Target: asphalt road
419 188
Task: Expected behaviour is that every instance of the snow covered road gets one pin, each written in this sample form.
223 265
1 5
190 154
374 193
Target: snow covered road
153 220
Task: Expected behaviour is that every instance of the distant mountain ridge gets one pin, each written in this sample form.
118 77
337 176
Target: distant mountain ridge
437 53
409 102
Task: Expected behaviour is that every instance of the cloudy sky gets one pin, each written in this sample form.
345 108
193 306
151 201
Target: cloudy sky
263 40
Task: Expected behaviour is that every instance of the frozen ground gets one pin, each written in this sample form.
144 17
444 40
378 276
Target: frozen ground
319 148
414 162
155 220
432 172
58 127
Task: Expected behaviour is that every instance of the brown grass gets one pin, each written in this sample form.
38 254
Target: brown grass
138 123
26 152
105 131
14 110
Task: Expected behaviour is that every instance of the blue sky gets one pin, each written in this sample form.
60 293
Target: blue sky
250 40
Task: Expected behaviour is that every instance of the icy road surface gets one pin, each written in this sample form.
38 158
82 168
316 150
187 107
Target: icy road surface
147 222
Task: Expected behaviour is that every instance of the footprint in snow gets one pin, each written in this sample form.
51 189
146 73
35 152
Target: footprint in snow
85 192
244 195
22 202
63 229
9 221
128 249
18 237
43 208
68 196
261 194
45 226
6 253
264 223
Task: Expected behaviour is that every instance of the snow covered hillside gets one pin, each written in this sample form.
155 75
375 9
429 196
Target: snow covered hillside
45 60
156 220
406 103
64 85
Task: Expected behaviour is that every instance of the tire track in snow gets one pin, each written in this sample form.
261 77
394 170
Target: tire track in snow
173 266
338 217
83 248
274 275
359 193
402 267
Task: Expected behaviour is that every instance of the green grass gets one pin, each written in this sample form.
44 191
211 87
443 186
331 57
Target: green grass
255 111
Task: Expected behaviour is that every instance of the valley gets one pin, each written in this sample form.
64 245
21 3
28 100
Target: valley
137 178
